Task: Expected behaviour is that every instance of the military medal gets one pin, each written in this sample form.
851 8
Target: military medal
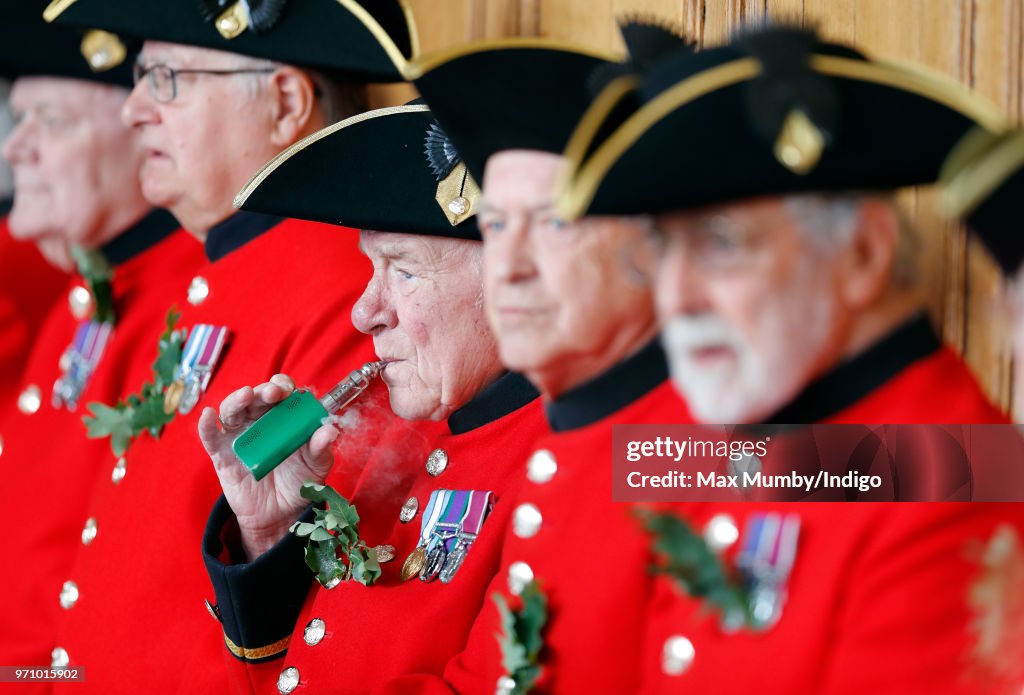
79 362
172 396
198 358
417 559
480 505
765 561
444 534
455 558
413 564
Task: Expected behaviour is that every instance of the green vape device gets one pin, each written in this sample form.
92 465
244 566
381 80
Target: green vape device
282 430
290 423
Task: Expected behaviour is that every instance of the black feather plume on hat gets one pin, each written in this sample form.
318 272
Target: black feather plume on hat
441 154
787 82
263 14
648 40
211 9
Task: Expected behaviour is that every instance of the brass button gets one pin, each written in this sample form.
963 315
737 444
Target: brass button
541 467
288 680
30 399
526 521
80 302
720 532
437 462
68 595
677 655
506 686
409 509
519 575
213 610
120 468
89 531
59 659
198 290
314 632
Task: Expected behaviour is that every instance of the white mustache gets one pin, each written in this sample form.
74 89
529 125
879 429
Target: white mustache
686 333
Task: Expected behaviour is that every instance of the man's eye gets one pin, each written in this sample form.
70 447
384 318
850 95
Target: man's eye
720 241
492 225
55 123
558 223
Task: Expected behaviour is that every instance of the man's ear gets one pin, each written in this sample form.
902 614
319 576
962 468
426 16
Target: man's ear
868 261
294 105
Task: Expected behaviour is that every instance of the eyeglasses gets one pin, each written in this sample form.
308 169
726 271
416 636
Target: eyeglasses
716 245
163 80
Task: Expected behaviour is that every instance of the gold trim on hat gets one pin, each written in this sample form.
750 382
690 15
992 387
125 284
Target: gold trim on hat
383 38
590 123
414 33
585 177
102 50
273 649
419 67
917 80
268 168
56 8
978 165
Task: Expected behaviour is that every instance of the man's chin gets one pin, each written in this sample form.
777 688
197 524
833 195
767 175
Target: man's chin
157 191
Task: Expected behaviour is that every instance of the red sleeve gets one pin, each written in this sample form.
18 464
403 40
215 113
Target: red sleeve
908 625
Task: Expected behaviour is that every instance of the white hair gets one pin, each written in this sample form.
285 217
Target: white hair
829 222
339 97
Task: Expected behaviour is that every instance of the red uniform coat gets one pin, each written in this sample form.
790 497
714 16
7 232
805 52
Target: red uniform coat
587 553
28 287
48 457
878 600
396 627
140 621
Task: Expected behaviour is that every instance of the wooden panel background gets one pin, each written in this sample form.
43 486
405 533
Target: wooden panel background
979 42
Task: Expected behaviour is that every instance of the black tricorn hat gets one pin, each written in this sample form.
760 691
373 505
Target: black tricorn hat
984 183
519 93
390 170
777 111
31 47
371 40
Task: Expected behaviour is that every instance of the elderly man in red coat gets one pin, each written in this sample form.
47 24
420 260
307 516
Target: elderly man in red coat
784 291
76 182
219 91
434 501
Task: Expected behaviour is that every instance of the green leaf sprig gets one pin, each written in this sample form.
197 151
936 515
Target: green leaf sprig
521 639
97 273
335 552
686 557
143 411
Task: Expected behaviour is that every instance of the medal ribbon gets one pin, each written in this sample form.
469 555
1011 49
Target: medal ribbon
454 513
769 547
480 504
438 500
91 338
201 352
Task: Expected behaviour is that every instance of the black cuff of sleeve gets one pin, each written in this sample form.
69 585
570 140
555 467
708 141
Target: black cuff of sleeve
260 601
